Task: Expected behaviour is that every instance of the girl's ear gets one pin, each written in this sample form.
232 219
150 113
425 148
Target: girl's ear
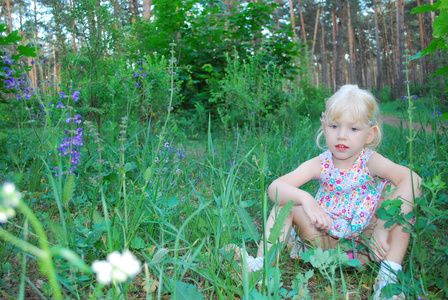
372 134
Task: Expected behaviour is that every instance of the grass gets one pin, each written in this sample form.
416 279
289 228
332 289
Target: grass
175 197
192 212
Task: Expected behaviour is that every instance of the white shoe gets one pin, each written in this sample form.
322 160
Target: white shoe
295 245
380 283
253 263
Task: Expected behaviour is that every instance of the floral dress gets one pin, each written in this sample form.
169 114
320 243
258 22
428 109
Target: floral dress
349 196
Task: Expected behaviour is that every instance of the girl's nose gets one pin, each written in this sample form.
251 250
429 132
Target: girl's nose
342 133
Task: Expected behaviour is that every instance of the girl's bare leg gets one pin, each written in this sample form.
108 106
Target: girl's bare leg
304 228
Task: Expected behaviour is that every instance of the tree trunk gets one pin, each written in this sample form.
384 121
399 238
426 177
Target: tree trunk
333 66
339 69
21 27
422 73
315 29
314 71
350 44
293 21
72 25
35 19
8 7
323 57
147 9
378 53
400 45
302 23
387 53
131 4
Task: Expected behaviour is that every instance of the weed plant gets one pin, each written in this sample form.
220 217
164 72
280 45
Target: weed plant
175 201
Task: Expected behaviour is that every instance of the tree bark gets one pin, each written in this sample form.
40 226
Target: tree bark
400 45
147 9
387 53
378 53
8 7
323 57
314 71
72 25
339 69
131 5
293 21
315 29
333 66
422 73
350 44
302 23
35 19
21 27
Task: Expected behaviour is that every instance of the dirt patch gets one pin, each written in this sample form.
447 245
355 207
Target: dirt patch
400 123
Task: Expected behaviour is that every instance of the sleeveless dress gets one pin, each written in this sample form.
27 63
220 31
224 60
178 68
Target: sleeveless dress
349 196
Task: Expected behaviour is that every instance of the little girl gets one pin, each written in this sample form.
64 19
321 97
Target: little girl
352 179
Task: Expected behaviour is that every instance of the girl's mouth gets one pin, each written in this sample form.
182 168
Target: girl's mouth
341 147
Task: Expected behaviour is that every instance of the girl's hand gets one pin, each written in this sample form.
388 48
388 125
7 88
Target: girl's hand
318 217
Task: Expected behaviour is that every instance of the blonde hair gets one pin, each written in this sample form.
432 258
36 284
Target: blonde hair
361 103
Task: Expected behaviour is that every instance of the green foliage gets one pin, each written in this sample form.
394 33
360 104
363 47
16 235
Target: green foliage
252 93
9 65
207 34
440 31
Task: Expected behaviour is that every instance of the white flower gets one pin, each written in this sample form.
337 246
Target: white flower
117 268
103 270
10 196
6 213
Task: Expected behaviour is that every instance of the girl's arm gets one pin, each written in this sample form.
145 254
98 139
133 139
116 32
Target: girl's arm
400 177
287 187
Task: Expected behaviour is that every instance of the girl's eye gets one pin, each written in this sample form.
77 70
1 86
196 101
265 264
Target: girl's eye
354 129
333 126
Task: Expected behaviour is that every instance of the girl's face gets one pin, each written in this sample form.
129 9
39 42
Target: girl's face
345 137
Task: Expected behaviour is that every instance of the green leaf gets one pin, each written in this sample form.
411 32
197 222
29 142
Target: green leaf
56 229
423 9
185 291
248 223
69 188
147 175
444 116
440 25
159 256
276 230
440 71
354 262
12 38
138 243
3 28
94 236
382 214
27 51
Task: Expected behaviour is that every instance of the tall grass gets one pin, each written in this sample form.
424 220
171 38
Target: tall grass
176 200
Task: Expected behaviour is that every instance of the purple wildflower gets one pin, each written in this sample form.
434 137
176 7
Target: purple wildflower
62 95
60 105
75 96
415 97
77 119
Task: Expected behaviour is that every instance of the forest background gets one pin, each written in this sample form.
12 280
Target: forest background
155 125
